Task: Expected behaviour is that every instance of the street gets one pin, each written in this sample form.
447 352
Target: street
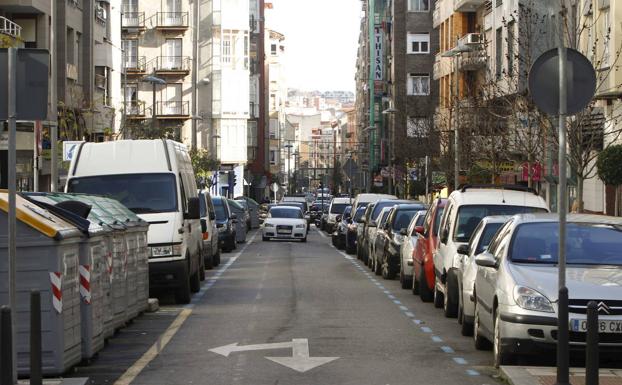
275 292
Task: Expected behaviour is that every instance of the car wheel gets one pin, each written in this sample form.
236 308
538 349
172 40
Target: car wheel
500 354
415 284
388 271
439 298
265 239
466 327
182 294
425 293
202 269
303 240
216 258
450 303
480 342
195 281
209 262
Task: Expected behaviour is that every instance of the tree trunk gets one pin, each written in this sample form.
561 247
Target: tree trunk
529 170
579 205
616 210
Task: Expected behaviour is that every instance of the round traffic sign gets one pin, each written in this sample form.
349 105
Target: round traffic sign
274 187
544 81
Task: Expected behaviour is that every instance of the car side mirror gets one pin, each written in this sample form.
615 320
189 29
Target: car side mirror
203 226
403 232
194 209
485 260
419 230
338 218
463 249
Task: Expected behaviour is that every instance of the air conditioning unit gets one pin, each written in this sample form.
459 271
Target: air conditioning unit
472 39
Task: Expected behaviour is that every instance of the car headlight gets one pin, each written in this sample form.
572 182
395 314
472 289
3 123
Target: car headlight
300 226
530 299
269 225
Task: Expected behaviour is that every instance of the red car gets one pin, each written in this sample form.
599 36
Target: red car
423 263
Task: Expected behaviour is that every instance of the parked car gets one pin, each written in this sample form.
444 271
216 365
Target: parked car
154 179
354 228
336 207
423 261
367 198
408 248
377 241
226 223
211 249
315 211
324 217
477 244
516 288
465 209
372 226
253 209
285 222
341 228
242 217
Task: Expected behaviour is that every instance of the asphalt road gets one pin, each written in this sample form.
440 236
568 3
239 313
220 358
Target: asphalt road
359 329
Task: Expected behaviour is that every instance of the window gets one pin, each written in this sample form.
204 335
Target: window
499 53
418 84
226 48
273 49
272 157
606 20
498 3
417 127
418 43
418 5
511 44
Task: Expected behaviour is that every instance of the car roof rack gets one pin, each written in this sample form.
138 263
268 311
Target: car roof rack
511 187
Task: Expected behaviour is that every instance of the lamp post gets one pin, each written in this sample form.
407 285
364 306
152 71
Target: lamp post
289 149
391 111
216 137
370 165
154 80
455 53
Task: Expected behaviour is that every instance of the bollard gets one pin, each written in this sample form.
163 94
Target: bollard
6 347
591 345
35 338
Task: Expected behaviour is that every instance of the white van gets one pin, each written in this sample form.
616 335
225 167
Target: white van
154 179
337 205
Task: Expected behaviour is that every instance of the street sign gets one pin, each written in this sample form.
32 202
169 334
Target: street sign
70 149
300 360
32 80
413 174
544 81
274 187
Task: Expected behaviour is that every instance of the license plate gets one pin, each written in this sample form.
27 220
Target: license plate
284 231
604 326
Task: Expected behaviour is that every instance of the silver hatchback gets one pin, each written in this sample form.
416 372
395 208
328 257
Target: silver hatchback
516 284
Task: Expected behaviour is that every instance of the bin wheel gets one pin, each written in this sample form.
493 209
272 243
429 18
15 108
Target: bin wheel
182 294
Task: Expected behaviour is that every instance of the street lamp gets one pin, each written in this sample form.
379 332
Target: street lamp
455 53
289 149
154 80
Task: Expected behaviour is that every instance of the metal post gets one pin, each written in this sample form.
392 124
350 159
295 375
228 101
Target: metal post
35 156
563 356
289 160
154 119
6 337
456 126
591 350
12 145
53 102
35 338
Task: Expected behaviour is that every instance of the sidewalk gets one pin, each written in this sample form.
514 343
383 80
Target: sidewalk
533 375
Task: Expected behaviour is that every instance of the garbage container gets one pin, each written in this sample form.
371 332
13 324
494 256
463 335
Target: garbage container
47 260
93 271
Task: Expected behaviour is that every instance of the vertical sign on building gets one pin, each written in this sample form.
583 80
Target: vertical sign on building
378 63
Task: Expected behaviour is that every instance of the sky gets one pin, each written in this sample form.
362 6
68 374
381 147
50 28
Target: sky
321 41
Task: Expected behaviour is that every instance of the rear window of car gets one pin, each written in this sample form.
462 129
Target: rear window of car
403 218
469 217
278 212
359 214
586 244
337 208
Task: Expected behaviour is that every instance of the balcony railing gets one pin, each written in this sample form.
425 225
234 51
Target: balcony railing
135 64
172 64
172 20
135 108
173 108
473 60
133 20
10 28
100 14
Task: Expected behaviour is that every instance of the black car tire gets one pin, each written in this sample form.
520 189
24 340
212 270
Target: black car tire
202 269
450 299
208 262
182 294
479 341
439 297
425 293
303 239
406 283
216 258
388 270
265 239
195 281
415 284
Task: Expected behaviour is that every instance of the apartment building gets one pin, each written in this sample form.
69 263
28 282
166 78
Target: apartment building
88 66
277 95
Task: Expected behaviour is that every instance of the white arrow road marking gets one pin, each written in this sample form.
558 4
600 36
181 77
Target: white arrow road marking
300 360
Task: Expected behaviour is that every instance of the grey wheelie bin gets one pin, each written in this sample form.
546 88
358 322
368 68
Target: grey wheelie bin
47 261
94 280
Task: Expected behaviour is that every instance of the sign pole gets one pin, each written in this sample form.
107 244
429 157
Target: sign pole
562 304
12 120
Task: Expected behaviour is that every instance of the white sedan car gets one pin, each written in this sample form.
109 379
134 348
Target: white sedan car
285 222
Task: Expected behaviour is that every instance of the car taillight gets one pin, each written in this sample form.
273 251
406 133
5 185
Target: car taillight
206 236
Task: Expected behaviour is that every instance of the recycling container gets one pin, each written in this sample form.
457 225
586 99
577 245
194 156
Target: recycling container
94 281
47 260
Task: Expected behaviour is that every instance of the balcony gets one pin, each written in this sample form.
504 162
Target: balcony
135 109
171 65
133 22
135 65
101 16
172 21
101 81
173 109
443 66
9 28
473 61
436 14
467 5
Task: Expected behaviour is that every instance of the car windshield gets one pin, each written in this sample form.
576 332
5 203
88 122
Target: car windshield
219 208
359 214
293 204
347 212
489 230
586 244
141 193
277 212
337 208
403 218
469 217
